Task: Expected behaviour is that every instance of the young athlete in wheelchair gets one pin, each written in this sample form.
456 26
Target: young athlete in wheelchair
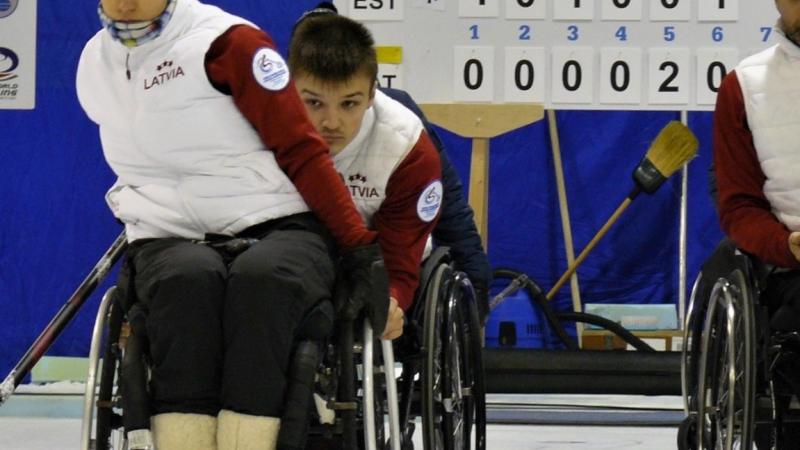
382 148
742 373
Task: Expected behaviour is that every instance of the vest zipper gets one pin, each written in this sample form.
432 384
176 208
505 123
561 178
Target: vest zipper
127 67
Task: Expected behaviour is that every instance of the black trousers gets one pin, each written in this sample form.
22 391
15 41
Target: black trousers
221 329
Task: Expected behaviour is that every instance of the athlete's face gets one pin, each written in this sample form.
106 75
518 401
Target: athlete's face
790 18
133 10
336 109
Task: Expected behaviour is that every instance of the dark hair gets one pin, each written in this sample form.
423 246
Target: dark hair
332 48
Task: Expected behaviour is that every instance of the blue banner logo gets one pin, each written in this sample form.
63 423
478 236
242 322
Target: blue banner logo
7 7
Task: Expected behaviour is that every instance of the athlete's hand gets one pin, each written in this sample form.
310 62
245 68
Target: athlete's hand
394 322
794 244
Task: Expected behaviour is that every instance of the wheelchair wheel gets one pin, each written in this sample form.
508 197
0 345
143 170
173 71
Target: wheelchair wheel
687 433
447 392
726 378
373 387
692 328
100 387
473 345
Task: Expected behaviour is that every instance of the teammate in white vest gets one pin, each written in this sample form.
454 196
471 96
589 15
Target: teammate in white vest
201 123
380 148
757 164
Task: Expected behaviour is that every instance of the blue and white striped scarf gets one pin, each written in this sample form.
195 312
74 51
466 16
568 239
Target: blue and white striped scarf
132 34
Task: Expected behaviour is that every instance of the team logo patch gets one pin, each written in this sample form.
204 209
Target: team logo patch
270 69
430 201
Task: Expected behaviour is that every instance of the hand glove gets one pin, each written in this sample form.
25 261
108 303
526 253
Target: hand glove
482 301
369 286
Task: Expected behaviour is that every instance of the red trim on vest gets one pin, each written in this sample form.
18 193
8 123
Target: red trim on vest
401 233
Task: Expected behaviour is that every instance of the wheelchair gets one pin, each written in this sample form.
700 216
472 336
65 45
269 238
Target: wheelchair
731 382
343 389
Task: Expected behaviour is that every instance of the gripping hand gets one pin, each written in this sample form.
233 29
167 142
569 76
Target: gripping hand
369 285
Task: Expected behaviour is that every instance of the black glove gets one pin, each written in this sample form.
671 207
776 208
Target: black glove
482 301
369 286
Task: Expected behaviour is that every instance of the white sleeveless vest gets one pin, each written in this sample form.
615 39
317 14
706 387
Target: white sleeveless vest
187 161
388 133
770 82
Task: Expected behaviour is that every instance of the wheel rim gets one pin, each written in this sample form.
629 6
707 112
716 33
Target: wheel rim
726 381
688 352
453 402
432 374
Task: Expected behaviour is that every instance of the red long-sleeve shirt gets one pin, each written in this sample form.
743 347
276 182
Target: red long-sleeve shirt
285 129
745 213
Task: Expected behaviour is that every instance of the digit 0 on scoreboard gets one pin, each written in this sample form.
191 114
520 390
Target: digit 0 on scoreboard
473 74
712 65
670 10
572 75
620 75
621 10
526 9
524 74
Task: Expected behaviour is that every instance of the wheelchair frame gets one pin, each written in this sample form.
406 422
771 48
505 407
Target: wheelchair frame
726 378
451 377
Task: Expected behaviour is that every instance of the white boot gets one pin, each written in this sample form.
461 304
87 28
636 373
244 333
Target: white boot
245 432
181 431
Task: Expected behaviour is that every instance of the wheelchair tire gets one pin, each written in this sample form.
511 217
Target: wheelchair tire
474 369
687 433
457 411
726 377
690 351
107 432
378 407
432 436
452 374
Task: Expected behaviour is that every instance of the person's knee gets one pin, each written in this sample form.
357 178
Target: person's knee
289 269
180 271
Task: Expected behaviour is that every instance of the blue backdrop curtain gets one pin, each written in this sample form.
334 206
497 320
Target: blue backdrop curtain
54 223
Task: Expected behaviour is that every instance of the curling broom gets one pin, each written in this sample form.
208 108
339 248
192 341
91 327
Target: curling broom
62 317
674 146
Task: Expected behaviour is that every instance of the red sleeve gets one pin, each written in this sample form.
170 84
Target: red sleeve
402 234
280 119
745 213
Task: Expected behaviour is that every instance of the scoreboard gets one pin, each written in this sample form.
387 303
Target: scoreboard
566 54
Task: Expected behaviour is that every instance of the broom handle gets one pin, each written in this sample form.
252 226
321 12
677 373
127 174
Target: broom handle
62 317
574 266
566 228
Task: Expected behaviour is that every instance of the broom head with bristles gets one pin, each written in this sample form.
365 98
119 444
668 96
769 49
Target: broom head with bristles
672 148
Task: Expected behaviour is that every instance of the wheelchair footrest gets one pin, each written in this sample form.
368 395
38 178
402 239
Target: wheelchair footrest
344 406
